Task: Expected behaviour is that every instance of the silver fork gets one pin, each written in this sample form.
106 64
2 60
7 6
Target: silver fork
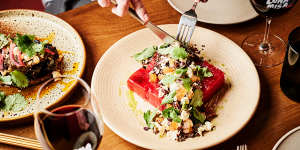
187 24
242 147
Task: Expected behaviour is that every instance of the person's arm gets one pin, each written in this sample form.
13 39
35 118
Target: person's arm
123 6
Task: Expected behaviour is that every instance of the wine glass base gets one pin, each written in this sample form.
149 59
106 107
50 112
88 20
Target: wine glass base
262 56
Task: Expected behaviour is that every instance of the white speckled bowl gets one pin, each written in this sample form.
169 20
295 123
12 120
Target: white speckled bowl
66 39
116 65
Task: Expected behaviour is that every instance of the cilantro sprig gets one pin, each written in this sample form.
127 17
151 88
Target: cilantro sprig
27 45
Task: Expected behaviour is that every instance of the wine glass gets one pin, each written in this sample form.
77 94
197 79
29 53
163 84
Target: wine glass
267 50
76 125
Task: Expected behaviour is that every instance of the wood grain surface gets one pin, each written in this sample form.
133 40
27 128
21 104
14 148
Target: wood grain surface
99 29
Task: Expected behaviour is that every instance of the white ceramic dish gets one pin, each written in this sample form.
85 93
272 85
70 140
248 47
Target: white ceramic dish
289 141
62 36
218 11
124 116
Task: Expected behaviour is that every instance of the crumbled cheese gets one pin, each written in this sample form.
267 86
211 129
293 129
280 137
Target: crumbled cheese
36 59
190 72
161 92
192 66
187 126
207 126
184 100
174 86
173 134
165 122
184 115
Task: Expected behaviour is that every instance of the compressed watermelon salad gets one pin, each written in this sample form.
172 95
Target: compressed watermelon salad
180 84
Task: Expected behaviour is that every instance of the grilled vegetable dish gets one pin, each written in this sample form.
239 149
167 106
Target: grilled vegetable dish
26 60
180 84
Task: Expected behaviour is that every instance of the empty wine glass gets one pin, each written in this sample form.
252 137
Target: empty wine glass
76 126
267 50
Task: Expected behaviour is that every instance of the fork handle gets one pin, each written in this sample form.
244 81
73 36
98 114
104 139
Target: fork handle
132 12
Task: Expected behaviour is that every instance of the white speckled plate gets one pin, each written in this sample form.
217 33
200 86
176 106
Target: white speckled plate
63 37
218 11
124 116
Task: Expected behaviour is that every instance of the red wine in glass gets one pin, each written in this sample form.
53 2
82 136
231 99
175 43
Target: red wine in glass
272 8
267 50
76 130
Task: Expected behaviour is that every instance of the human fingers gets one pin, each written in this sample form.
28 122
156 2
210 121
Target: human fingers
140 10
104 3
121 8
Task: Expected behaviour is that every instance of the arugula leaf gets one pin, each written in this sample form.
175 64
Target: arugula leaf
203 71
181 71
19 79
148 117
3 40
6 80
146 53
169 98
199 115
179 52
187 83
197 98
168 79
171 113
2 96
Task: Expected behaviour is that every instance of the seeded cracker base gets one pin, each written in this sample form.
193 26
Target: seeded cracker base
66 40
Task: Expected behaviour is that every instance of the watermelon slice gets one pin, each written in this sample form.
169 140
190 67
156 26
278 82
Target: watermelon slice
139 83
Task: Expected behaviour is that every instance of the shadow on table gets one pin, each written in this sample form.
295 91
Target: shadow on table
256 124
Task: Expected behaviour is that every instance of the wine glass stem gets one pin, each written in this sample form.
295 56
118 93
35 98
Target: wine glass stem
265 45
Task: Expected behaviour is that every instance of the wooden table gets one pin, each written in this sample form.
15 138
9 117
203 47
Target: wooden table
100 29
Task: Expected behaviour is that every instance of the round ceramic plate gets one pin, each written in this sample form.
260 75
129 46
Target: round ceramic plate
218 11
123 114
289 141
62 36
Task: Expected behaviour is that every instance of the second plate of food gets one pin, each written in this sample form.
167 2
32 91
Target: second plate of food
123 110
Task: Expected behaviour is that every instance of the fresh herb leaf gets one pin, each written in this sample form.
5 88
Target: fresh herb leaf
199 115
27 45
15 102
169 98
148 117
179 52
3 41
187 83
146 53
197 98
171 113
168 79
181 71
203 71
2 96
19 79
6 80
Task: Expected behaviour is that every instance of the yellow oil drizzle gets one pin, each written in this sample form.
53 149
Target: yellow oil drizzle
60 52
49 38
132 102
74 69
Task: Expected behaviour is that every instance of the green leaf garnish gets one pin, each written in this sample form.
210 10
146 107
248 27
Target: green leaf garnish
165 51
19 79
148 117
181 71
2 96
171 113
203 71
146 53
168 79
197 98
27 46
199 115
187 83
6 80
3 41
15 102
179 52
169 98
